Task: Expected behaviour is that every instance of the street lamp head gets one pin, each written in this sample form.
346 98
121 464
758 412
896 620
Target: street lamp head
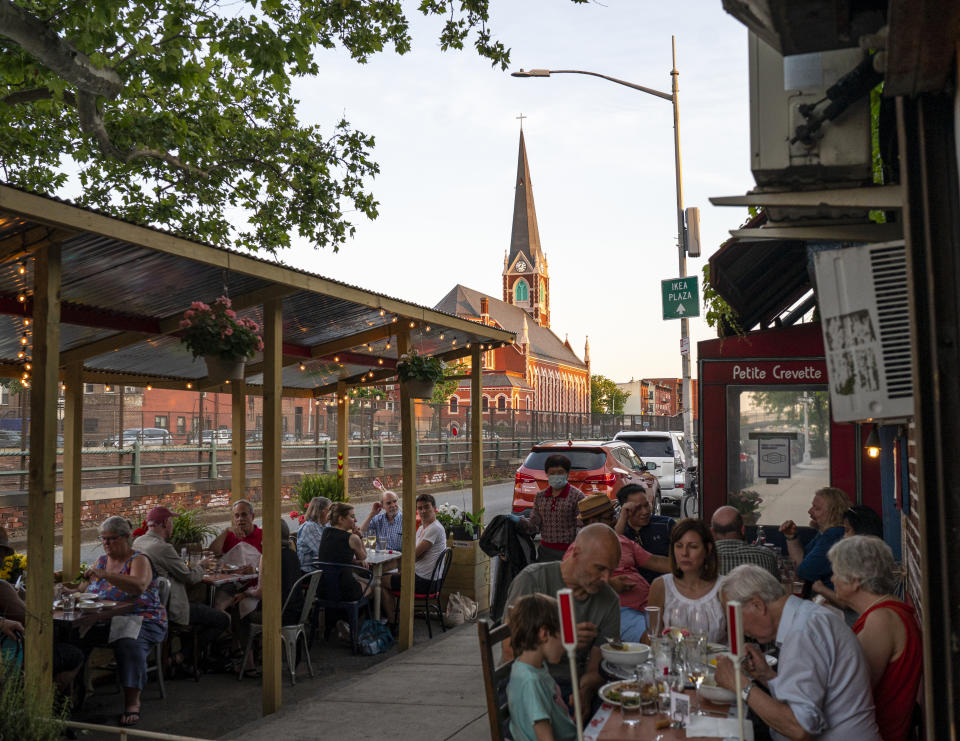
531 73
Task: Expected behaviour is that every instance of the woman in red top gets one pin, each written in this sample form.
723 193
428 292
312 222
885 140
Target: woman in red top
887 628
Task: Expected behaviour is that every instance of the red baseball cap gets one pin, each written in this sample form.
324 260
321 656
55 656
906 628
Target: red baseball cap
159 514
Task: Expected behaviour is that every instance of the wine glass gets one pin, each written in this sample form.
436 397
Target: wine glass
676 621
698 622
653 621
695 667
369 541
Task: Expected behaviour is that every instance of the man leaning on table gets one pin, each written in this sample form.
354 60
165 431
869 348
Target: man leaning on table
208 621
823 689
587 570
385 520
243 530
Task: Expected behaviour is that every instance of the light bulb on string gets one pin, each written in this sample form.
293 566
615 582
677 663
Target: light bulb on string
412 325
382 312
21 268
303 367
21 297
24 340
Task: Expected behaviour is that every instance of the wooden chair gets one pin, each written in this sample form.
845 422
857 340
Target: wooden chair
495 677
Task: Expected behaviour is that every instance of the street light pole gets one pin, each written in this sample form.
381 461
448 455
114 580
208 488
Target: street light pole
673 97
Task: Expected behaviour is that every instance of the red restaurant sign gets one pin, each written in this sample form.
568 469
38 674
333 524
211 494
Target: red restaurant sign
750 372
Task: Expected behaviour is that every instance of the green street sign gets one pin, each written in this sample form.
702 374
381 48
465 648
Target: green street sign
681 297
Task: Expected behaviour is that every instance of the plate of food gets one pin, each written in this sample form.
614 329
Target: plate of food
610 692
88 606
617 671
107 603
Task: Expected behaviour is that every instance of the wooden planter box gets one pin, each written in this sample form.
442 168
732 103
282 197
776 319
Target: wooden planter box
469 573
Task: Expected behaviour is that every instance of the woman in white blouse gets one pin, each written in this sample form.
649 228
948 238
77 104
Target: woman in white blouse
689 596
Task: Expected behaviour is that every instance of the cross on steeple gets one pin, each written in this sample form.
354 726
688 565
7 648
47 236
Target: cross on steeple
520 118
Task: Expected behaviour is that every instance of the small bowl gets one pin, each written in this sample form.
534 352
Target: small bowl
630 655
88 606
720 695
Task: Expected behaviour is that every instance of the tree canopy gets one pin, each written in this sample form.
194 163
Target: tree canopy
605 397
179 113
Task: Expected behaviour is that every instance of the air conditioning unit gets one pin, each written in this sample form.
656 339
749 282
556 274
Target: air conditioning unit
782 89
865 317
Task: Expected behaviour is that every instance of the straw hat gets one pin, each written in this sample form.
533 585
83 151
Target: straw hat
594 506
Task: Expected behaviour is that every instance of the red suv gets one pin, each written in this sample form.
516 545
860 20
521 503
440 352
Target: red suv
595 468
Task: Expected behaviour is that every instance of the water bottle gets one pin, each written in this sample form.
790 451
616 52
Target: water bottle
760 536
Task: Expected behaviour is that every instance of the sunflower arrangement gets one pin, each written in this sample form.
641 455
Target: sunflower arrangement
14 566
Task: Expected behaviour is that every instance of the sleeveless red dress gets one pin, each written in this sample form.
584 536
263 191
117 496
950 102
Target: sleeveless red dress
896 693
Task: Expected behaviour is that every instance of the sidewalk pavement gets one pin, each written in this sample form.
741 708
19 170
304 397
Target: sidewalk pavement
432 691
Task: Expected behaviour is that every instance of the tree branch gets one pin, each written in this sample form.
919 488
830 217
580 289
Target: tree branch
38 93
55 53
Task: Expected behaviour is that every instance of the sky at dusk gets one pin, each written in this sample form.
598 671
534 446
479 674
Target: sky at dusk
601 159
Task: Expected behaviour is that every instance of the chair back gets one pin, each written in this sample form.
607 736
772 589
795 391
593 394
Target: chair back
495 676
440 569
163 590
309 582
331 581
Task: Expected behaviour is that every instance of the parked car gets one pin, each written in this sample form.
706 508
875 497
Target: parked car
666 451
223 437
596 467
148 437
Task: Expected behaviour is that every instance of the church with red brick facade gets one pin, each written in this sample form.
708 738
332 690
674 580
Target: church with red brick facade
540 372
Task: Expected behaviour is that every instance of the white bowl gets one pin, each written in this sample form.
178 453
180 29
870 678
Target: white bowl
630 655
713 693
88 606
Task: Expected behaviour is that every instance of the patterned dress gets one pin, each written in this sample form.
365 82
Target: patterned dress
147 605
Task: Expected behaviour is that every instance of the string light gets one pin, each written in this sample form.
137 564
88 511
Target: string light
388 346
394 321
26 322
21 355
21 297
336 358
21 268
23 340
441 335
382 312
28 366
380 361
189 385
303 367
412 325
149 387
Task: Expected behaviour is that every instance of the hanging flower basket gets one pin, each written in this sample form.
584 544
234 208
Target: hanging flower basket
419 389
420 373
223 369
224 340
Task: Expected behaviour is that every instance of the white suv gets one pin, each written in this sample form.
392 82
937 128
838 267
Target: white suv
666 451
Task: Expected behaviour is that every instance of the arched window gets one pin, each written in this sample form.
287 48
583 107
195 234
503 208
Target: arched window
454 404
485 405
501 403
521 291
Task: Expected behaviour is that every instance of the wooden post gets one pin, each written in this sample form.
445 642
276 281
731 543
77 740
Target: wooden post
238 423
72 461
42 478
343 436
270 569
476 423
408 446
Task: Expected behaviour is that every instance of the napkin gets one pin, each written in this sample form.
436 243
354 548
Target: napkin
704 725
124 626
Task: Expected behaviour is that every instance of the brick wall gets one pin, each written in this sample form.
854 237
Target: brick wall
911 528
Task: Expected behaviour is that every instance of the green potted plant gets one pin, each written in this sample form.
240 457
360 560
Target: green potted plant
189 529
224 340
747 502
318 485
420 373
460 524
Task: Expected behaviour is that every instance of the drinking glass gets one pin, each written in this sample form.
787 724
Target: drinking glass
68 603
653 621
662 649
677 621
630 702
698 622
695 667
649 688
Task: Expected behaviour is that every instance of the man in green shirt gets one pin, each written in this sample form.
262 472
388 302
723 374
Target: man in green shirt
595 554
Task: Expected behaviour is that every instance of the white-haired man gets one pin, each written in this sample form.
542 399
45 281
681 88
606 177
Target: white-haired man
385 520
823 689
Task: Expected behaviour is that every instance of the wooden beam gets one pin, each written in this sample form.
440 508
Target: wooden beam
42 487
408 446
476 428
272 402
47 211
375 334
72 461
26 243
167 325
343 437
238 461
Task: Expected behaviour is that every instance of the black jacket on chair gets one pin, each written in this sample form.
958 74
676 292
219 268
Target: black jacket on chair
514 549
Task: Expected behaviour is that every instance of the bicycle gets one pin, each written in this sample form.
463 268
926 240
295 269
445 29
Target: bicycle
690 502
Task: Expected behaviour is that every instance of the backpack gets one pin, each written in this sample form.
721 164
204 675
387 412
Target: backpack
374 638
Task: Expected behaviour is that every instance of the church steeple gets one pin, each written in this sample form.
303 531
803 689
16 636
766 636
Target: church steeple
526 281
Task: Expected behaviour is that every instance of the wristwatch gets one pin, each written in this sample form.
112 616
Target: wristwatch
745 692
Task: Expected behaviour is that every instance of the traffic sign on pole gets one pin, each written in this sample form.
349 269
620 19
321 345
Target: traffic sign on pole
681 297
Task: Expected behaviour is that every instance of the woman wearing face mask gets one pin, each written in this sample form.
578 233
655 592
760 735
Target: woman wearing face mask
555 510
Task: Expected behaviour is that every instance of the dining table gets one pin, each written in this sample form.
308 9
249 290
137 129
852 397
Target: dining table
608 724
377 561
215 579
84 619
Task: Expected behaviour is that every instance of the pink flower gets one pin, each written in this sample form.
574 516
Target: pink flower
260 346
231 313
199 306
188 314
184 323
228 331
224 301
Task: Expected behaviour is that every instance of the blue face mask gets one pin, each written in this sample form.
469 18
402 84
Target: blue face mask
557 480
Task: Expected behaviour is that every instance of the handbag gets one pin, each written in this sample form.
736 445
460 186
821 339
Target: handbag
11 655
374 638
460 608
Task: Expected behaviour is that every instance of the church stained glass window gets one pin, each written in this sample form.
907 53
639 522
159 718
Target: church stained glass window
521 291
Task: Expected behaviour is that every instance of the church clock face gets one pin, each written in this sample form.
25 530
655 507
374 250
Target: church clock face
521 266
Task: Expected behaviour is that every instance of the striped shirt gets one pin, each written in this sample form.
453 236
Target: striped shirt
732 552
392 532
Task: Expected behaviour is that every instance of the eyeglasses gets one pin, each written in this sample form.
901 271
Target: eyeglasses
109 538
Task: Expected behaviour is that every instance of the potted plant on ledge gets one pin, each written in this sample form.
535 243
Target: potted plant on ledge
224 340
459 524
420 373
747 502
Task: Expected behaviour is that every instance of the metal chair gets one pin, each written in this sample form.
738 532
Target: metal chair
292 633
495 677
330 597
439 575
163 592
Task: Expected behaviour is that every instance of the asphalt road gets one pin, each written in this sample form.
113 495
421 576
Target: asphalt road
497 498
